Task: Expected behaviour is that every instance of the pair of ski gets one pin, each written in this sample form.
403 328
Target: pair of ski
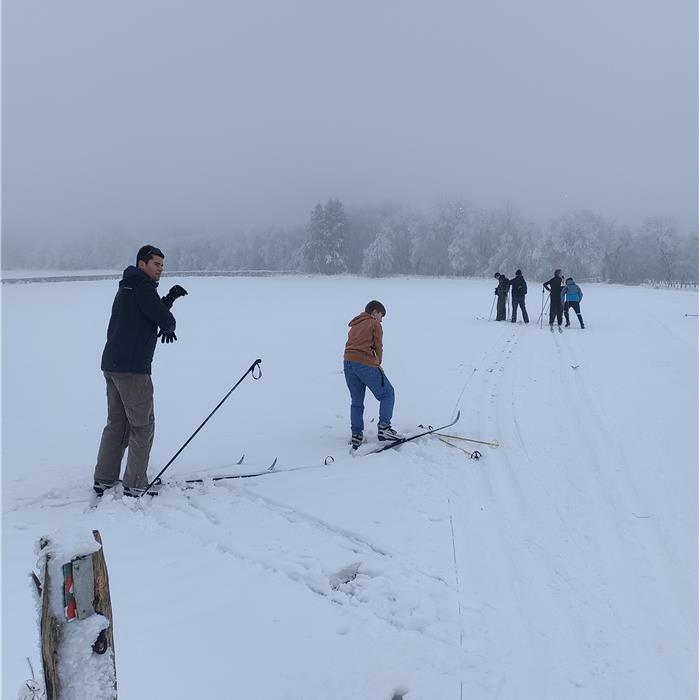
191 483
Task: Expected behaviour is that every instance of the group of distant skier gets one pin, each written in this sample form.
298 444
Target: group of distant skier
563 295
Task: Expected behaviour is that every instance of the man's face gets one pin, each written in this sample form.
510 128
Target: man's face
378 315
153 268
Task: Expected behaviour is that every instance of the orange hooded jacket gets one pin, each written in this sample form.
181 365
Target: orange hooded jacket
364 341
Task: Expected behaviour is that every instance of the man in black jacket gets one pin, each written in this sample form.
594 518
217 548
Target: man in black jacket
553 286
137 314
518 286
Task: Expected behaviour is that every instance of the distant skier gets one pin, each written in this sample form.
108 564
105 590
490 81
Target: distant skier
553 286
362 365
571 296
518 286
501 293
137 314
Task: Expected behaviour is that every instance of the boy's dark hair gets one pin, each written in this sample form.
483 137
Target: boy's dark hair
146 252
375 305
498 275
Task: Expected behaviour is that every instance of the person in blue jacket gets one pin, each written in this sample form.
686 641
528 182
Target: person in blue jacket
571 296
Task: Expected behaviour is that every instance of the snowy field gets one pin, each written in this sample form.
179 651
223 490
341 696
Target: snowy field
561 565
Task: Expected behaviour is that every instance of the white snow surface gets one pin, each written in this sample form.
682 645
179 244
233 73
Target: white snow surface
563 564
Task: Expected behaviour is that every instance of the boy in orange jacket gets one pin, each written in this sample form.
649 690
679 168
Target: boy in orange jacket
362 365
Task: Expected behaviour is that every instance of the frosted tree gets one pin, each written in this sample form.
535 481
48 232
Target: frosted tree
431 254
619 260
474 237
687 268
515 240
575 242
661 242
394 241
378 259
325 248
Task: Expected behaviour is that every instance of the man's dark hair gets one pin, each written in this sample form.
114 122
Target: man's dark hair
498 275
375 305
146 252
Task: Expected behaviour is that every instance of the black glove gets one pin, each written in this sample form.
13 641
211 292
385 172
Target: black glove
175 293
167 336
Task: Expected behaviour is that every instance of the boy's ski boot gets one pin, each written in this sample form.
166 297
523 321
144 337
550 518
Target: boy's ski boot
387 433
356 440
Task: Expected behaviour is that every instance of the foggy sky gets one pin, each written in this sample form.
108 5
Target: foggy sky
144 116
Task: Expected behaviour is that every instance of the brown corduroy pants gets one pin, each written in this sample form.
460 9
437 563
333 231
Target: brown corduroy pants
130 423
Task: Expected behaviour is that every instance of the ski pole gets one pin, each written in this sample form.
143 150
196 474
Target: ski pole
472 455
492 305
542 310
490 443
255 372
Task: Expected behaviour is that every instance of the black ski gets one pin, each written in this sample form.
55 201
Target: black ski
398 443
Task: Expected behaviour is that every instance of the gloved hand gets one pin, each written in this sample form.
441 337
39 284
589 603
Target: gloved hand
175 292
167 336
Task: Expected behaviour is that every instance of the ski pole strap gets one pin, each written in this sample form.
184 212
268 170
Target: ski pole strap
255 369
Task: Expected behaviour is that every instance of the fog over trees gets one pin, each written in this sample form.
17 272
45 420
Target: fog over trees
453 238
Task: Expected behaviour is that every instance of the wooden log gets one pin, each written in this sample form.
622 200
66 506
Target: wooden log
50 637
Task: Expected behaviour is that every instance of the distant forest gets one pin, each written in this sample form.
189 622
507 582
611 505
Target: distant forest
454 239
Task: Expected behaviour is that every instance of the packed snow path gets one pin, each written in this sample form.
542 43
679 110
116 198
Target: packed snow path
561 565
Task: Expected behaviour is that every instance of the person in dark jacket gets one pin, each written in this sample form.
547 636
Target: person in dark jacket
137 314
518 287
501 293
553 286
362 366
571 296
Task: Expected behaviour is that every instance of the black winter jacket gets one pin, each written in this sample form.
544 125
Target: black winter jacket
137 313
503 286
519 286
554 286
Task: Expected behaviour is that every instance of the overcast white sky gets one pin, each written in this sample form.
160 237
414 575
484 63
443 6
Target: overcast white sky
144 115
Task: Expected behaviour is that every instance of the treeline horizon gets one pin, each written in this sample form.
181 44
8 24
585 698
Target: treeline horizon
454 238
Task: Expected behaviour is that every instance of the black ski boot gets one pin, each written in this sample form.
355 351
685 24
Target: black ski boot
102 485
356 440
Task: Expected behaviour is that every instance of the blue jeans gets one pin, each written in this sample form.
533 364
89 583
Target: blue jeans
360 377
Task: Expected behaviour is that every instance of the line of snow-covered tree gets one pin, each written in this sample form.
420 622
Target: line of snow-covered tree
454 238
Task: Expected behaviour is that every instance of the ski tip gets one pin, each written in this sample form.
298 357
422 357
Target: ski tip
459 413
240 461
272 466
